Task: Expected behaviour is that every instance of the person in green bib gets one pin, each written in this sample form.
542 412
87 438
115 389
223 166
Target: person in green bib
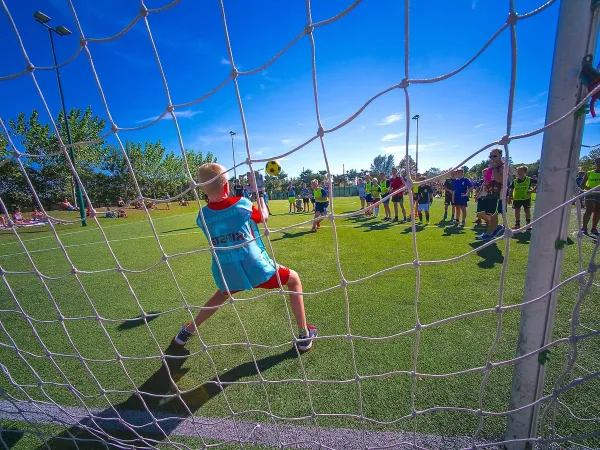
592 200
321 203
520 190
368 195
384 185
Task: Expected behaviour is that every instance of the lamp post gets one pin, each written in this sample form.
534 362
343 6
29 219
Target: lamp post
232 134
416 117
43 19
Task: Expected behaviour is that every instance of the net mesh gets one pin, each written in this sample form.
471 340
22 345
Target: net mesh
148 428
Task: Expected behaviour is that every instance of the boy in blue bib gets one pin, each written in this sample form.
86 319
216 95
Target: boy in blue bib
232 222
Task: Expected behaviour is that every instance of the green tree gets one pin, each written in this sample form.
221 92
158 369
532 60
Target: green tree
434 171
383 163
587 162
412 164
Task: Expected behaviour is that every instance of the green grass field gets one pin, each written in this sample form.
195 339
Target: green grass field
381 306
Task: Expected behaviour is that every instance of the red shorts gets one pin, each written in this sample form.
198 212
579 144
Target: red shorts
273 283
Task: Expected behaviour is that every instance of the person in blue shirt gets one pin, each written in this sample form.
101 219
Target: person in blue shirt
291 193
240 261
460 196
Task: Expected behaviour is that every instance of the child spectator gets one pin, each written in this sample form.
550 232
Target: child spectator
109 214
183 202
519 194
448 192
298 203
37 215
376 194
305 192
322 202
362 193
368 195
291 194
230 222
424 199
121 202
17 216
122 213
384 186
460 196
592 200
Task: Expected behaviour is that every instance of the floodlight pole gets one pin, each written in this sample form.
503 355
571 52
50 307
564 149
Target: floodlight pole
416 117
63 32
575 37
232 134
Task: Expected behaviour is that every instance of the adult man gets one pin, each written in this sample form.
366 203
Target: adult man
592 200
449 191
490 203
397 182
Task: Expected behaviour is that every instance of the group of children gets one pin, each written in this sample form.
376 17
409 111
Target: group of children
457 192
300 201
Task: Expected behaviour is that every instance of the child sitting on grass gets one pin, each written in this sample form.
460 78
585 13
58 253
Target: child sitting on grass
231 221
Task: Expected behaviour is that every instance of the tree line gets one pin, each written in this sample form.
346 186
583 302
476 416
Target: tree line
104 172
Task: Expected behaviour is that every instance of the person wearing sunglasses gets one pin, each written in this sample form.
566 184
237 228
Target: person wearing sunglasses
489 205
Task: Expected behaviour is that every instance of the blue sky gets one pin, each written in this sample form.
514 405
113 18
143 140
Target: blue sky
357 56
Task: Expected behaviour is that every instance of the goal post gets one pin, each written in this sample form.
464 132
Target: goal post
576 37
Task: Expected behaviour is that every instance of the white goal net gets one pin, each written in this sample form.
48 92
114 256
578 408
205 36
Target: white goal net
565 407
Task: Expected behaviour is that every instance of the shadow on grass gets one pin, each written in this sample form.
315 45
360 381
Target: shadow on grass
418 228
10 436
491 255
138 320
286 235
453 230
171 411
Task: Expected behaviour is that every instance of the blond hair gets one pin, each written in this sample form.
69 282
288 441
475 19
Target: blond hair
207 172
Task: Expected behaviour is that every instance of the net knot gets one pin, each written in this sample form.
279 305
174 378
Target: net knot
489 366
508 233
9 223
74 270
234 72
498 309
592 268
309 28
415 263
505 140
83 42
512 18
320 132
61 318
92 213
143 11
357 378
170 108
404 83
349 337
114 128
418 327
479 412
413 413
267 232
1 271
16 153
29 67
165 257
344 282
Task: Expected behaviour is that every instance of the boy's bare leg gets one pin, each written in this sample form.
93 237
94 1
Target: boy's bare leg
297 300
518 214
217 299
492 224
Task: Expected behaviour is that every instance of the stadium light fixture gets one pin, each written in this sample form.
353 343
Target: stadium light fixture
41 17
62 30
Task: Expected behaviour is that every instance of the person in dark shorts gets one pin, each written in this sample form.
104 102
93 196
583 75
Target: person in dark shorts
592 201
321 197
519 194
397 182
460 197
448 192
489 205
305 193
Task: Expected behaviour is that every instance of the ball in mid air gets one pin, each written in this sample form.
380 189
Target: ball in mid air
273 167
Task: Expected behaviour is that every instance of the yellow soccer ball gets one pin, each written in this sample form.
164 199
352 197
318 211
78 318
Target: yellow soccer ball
273 167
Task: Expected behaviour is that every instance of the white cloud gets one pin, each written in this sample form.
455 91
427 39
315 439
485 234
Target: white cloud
300 124
391 137
592 120
394 148
225 61
454 146
430 146
289 142
184 114
262 86
362 128
391 119
248 97
480 125
258 152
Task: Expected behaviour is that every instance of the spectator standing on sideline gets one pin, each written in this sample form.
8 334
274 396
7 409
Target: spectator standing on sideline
305 192
520 191
291 194
449 191
362 193
168 199
368 195
592 200
384 185
424 199
490 202
460 196
397 182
